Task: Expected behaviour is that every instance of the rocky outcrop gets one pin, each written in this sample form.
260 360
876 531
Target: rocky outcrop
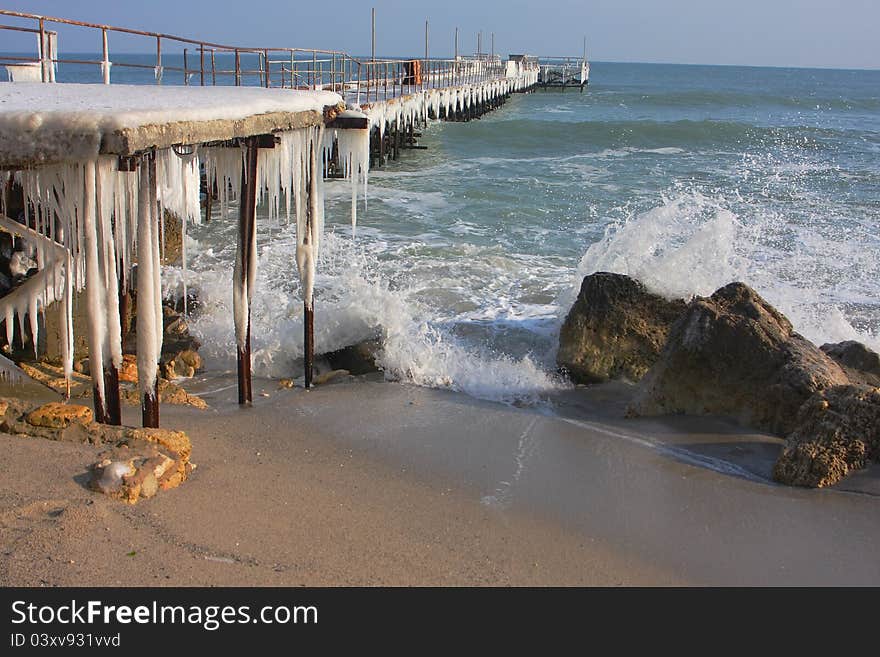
358 358
136 463
734 355
169 393
861 364
55 415
615 329
837 432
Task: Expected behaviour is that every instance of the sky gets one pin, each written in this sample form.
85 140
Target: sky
804 33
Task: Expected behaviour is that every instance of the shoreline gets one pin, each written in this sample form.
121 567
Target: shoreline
373 483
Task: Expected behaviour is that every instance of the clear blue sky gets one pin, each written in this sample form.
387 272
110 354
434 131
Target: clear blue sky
838 33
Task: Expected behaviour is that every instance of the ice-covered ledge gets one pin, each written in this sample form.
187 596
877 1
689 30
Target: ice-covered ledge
54 123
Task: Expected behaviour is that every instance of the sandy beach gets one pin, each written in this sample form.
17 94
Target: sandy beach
372 483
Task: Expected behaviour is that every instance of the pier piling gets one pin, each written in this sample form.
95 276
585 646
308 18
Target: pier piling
245 256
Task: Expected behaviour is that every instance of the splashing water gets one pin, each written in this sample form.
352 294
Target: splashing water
471 252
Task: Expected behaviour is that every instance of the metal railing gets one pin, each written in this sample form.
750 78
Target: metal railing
189 61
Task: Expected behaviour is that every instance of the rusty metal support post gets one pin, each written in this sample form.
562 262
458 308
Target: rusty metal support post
309 303
237 68
308 342
202 65
213 68
111 390
246 227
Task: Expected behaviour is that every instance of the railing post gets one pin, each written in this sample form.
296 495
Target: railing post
44 74
237 68
105 65
202 64
185 69
213 69
158 60
268 77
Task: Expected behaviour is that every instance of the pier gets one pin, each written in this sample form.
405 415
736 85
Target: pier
99 164
564 73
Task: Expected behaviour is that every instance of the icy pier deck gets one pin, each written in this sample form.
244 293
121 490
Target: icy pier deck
44 124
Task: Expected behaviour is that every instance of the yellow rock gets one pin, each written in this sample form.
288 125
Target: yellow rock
55 415
176 441
286 383
129 370
4 406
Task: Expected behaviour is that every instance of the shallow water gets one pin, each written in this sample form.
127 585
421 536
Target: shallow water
468 255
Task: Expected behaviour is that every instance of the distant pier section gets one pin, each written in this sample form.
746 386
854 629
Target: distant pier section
564 73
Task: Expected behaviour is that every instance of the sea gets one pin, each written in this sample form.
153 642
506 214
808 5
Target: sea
468 254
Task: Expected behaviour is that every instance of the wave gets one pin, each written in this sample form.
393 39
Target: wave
560 138
692 244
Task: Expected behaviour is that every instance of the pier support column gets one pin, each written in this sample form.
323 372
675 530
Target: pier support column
245 266
308 293
308 342
148 348
94 291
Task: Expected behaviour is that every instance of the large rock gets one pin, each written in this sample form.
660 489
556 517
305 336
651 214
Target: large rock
734 355
358 358
615 329
139 462
838 431
861 364
55 415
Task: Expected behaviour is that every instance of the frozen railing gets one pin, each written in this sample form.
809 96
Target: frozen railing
384 79
181 60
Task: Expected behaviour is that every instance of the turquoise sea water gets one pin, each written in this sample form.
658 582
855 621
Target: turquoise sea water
468 254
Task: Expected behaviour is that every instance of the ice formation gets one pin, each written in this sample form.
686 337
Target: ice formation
87 222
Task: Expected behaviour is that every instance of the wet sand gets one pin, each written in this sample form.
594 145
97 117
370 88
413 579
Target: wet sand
371 483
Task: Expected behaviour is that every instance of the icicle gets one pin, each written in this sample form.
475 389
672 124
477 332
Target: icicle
94 289
147 352
156 270
105 188
353 148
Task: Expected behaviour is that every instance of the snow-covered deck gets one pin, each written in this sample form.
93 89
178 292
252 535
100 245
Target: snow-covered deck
56 123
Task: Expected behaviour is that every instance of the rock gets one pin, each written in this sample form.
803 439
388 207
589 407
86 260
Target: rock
358 359
286 383
53 333
172 238
55 415
173 441
615 329
131 476
53 377
128 373
837 432
183 364
734 355
327 377
169 393
109 476
861 364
